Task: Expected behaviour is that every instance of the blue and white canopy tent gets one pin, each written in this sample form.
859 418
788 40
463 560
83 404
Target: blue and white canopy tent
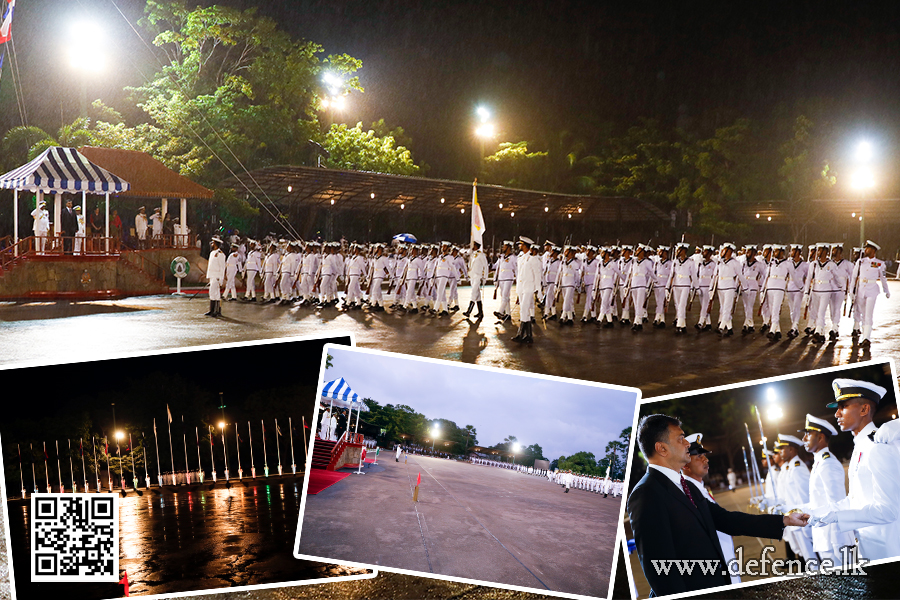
339 392
57 171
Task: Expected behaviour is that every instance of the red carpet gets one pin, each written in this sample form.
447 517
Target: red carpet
319 479
370 460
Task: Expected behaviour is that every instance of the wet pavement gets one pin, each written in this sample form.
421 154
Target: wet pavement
54 332
471 521
194 538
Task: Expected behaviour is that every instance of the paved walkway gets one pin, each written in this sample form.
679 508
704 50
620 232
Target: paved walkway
471 521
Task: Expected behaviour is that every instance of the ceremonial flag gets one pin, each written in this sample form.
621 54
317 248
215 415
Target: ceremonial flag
6 26
477 217
278 429
124 581
418 480
169 412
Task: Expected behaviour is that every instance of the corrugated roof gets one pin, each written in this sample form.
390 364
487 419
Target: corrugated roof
350 190
148 177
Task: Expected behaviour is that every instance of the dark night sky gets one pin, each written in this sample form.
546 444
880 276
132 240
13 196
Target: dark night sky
542 66
189 381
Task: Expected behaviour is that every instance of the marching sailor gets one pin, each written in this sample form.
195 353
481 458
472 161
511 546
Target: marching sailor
588 280
662 270
727 282
706 268
682 280
869 271
478 274
505 276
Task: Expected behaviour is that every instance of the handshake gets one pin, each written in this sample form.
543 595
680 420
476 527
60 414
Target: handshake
792 517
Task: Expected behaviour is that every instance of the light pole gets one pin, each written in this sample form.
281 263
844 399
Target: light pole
863 180
434 433
336 97
515 449
224 447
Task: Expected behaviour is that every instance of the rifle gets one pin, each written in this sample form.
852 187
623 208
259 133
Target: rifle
851 295
691 298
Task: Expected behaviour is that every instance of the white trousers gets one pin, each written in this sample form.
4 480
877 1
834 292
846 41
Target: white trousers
638 295
774 299
440 294
680 295
659 294
749 300
476 290
375 296
550 300
607 303
215 289
505 289
704 306
726 307
795 303
866 298
251 285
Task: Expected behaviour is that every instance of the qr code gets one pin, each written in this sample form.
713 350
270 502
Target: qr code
74 537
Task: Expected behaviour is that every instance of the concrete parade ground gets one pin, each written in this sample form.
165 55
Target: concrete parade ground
471 521
63 332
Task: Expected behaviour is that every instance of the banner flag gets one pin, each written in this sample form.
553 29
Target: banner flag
477 217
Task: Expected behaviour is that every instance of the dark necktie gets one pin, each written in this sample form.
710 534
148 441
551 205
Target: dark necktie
687 490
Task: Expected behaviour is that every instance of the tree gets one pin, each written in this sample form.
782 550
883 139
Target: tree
21 144
353 148
804 173
514 166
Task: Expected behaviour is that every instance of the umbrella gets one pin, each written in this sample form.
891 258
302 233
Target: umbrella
405 237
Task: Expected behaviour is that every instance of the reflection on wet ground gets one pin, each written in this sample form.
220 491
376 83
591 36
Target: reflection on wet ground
618 356
194 539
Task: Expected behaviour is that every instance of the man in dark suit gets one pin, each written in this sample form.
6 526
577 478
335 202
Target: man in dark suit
670 521
69 225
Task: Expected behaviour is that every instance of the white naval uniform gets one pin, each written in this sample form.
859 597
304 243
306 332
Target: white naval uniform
286 271
867 273
871 508
140 226
843 271
308 269
820 285
379 270
793 489
796 280
232 267
79 235
641 277
775 286
826 485
398 286
682 279
478 274
752 277
443 271
588 282
550 276
625 267
355 271
415 270
271 265
705 271
505 275
566 280
608 275
727 277
725 540
528 282
252 267
661 272
215 272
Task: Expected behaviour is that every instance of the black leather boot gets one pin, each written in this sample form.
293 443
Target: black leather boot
480 314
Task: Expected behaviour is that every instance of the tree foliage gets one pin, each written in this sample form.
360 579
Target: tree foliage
354 148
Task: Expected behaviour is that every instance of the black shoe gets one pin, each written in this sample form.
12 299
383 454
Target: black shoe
776 336
212 309
645 320
855 333
808 331
764 328
833 336
707 327
608 325
497 314
414 311
744 330
728 333
444 313
625 322
750 329
698 327
792 334
454 308
480 314
615 318
865 343
469 310
662 324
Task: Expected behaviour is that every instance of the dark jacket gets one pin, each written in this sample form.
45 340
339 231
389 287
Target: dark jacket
68 221
667 526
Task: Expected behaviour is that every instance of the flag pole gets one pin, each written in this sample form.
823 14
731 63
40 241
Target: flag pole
278 445
187 469
171 450
291 431
212 455
158 464
72 468
96 471
224 451
252 465
33 474
199 464
237 443
265 458
21 473
108 466
134 477
46 469
305 446
83 468
144 453
62 488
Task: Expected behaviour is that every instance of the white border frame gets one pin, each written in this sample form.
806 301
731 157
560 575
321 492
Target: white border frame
221 590
462 365
755 382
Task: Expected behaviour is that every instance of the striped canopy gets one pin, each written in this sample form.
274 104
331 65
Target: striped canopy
338 392
59 170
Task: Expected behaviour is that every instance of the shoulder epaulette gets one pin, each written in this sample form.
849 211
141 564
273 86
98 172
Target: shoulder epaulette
872 436
826 455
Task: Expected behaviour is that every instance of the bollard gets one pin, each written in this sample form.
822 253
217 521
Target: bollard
416 492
